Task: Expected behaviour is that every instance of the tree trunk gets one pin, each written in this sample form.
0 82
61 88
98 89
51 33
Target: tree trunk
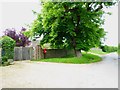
77 53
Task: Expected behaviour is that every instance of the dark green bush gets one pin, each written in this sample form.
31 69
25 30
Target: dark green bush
7 45
6 63
4 59
109 48
119 48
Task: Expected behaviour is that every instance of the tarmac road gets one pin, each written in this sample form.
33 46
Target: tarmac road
26 74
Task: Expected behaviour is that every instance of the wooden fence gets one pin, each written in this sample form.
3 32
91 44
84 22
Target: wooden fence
58 53
29 53
23 53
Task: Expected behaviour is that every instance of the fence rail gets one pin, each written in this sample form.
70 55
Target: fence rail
28 53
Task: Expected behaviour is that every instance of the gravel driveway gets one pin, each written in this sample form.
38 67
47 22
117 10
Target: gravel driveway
26 74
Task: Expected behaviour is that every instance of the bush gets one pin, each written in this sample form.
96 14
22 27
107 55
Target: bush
6 63
20 38
109 48
7 45
119 48
4 59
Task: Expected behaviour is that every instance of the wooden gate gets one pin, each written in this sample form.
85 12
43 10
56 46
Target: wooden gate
23 53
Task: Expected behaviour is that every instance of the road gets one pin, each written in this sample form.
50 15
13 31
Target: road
26 74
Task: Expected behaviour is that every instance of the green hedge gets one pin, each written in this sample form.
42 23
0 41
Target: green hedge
119 48
7 45
109 48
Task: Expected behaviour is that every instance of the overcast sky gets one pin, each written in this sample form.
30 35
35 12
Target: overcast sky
18 13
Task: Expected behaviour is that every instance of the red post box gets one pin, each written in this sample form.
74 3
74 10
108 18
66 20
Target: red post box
44 51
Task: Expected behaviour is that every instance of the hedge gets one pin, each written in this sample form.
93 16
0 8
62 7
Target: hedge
109 48
7 45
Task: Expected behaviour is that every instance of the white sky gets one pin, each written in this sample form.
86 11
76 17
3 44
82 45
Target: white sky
18 13
111 26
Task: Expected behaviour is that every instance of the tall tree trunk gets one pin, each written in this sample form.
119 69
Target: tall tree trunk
76 30
77 52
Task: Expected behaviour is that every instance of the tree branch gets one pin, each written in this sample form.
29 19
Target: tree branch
99 8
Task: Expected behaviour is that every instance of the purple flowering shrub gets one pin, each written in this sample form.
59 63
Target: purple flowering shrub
20 38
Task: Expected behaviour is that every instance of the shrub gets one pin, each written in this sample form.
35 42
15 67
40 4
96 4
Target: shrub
119 48
20 38
4 59
109 48
7 45
6 63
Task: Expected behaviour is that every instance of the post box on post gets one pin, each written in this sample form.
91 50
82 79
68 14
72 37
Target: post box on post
44 52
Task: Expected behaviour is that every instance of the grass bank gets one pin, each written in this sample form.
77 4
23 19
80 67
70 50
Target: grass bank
85 59
119 52
98 52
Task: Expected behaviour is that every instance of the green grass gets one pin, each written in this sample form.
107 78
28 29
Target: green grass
85 59
118 52
118 49
98 52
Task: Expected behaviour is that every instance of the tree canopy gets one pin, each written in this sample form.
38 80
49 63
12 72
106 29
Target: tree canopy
71 25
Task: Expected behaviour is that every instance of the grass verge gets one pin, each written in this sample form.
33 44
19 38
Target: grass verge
98 52
118 52
85 59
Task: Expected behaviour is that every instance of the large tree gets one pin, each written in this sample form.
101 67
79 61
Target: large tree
73 25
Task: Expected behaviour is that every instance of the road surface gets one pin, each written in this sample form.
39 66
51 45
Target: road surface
26 74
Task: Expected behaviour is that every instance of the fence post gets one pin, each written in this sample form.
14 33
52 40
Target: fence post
31 53
38 52
41 53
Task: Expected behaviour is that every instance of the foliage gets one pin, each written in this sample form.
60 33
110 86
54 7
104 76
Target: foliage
119 48
71 24
7 44
109 48
98 52
20 38
27 33
4 59
6 64
85 59
36 29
